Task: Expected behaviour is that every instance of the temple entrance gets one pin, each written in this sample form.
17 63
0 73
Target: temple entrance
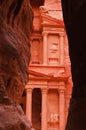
36 108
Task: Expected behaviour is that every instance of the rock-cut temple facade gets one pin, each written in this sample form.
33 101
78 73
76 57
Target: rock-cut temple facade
47 93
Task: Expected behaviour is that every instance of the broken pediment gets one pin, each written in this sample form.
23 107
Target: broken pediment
49 19
37 75
33 75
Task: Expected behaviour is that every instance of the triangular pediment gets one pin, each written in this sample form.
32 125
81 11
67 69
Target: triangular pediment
37 75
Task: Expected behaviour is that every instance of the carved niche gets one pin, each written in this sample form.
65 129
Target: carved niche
53 109
36 50
53 49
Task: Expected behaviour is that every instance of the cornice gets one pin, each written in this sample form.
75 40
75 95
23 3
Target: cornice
40 76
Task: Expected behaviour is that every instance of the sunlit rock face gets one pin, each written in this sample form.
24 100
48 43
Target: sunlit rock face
15 26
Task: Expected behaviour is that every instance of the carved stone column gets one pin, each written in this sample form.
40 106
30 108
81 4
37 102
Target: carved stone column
61 49
61 109
45 49
44 109
29 103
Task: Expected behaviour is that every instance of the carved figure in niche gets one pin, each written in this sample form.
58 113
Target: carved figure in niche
54 50
53 118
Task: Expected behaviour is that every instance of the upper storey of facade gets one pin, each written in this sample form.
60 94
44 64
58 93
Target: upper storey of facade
48 37
48 33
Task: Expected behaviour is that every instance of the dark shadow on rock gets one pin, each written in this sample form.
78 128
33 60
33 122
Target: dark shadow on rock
74 13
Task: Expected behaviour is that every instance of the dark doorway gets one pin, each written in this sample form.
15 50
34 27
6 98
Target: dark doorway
36 108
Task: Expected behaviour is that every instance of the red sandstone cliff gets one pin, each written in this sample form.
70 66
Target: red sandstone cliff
15 27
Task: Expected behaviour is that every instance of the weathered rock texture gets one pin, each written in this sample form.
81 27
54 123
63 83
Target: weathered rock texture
15 27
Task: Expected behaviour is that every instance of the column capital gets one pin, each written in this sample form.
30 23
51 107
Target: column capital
61 91
44 90
61 34
29 90
44 33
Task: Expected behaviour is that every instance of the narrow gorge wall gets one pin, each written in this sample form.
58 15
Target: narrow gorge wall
15 26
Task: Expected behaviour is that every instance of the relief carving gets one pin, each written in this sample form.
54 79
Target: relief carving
53 121
54 50
53 118
54 54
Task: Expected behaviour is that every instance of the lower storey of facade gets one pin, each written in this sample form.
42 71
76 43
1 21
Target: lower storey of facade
45 108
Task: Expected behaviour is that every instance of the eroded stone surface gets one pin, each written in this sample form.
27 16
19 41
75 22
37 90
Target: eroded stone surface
15 27
13 118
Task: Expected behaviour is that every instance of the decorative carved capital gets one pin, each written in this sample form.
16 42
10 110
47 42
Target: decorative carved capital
45 33
61 91
29 90
53 118
44 90
61 34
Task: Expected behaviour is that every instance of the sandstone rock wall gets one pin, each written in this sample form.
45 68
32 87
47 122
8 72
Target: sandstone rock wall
15 26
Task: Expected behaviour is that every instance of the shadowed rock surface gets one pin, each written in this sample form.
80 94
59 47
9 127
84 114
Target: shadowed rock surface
74 13
15 26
